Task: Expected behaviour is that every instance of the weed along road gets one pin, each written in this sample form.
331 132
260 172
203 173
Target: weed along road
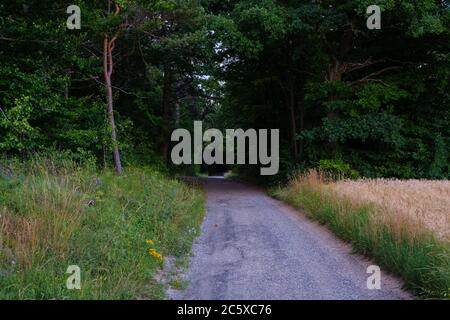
255 247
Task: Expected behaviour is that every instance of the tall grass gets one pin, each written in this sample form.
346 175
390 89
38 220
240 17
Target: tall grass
418 204
397 243
53 215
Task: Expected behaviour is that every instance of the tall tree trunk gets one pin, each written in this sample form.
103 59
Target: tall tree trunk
335 72
167 109
301 108
293 126
67 85
292 117
108 66
338 68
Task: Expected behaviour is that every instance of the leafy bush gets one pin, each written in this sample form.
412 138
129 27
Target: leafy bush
439 165
337 169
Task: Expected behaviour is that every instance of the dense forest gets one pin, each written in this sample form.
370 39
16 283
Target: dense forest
362 102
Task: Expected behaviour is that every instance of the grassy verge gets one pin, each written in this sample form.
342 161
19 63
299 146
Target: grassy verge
56 215
417 255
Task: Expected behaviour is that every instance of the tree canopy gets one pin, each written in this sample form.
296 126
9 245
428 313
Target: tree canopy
373 102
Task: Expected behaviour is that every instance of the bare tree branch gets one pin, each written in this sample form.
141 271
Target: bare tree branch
29 40
374 74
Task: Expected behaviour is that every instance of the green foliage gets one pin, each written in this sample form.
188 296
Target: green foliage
440 165
51 81
337 169
15 122
376 127
374 99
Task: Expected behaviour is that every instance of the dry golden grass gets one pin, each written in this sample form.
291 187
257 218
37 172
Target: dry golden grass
48 211
410 204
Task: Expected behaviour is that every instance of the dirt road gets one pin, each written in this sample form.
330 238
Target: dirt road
255 247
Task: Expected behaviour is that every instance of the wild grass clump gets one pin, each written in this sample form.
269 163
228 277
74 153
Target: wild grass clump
382 228
53 215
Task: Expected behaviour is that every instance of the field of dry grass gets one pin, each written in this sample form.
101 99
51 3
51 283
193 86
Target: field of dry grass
421 204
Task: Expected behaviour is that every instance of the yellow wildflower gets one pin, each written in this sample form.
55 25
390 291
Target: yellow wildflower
150 242
155 254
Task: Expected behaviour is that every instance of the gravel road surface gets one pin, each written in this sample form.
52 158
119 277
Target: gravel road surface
254 247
